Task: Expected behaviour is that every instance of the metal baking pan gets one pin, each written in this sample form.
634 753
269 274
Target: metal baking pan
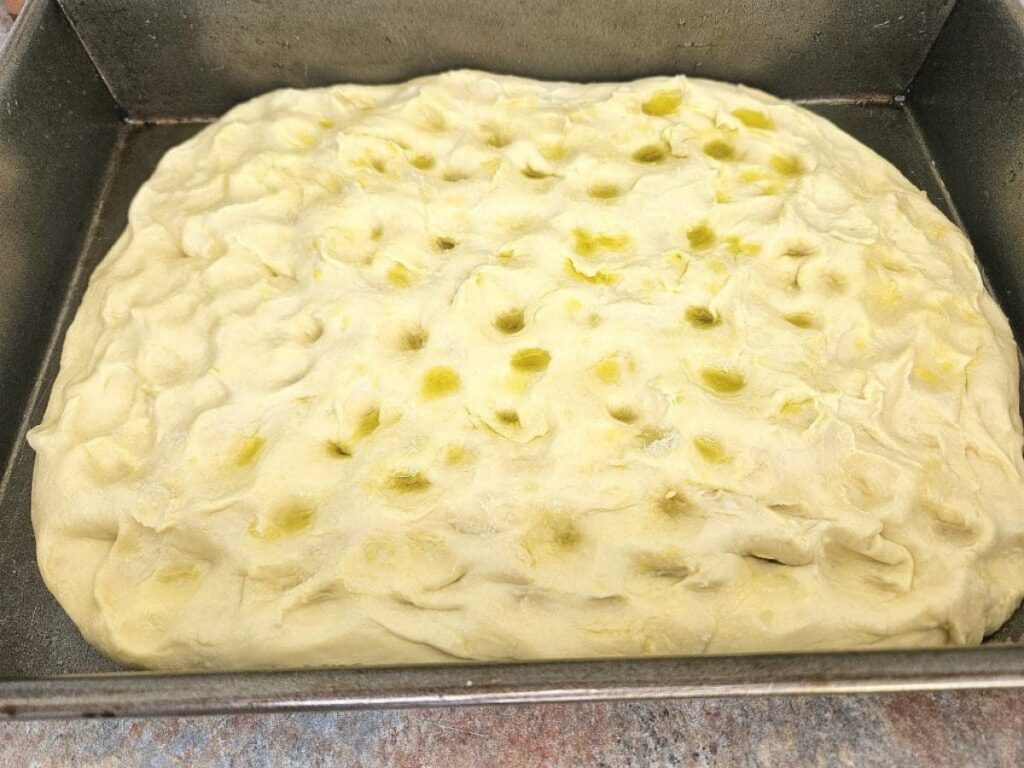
92 92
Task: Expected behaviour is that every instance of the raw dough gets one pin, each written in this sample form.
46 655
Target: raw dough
478 367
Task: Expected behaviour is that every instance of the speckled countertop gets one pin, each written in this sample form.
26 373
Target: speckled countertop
977 728
957 729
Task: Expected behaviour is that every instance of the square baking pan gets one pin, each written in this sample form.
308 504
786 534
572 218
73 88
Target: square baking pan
92 92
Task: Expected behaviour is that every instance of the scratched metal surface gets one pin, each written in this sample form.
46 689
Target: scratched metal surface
182 58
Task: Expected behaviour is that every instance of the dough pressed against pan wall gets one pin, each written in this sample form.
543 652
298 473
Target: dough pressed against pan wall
477 367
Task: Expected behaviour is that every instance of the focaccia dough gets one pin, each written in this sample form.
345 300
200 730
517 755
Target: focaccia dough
479 367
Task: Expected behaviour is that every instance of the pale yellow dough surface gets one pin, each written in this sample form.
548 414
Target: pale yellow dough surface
478 367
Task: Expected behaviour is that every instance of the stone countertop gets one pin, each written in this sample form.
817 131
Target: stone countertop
975 728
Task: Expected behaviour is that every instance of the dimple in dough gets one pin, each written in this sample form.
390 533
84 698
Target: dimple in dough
480 367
